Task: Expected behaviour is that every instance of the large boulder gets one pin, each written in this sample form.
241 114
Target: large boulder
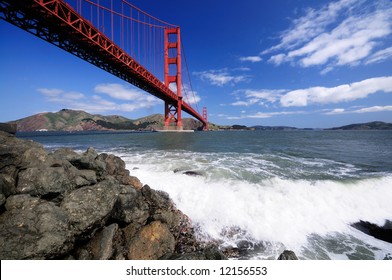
115 167
39 181
151 242
88 208
88 160
32 228
131 207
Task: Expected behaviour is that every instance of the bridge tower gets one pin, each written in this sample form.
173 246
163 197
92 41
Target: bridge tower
205 117
172 73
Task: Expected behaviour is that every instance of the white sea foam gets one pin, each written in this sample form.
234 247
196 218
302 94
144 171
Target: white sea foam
273 209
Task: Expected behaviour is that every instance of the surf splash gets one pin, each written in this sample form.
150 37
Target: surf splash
249 200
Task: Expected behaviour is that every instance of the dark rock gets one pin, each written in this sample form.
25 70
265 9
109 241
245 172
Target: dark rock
131 207
115 166
7 187
21 201
187 172
34 157
152 242
209 253
192 173
288 255
157 199
213 253
33 229
102 244
90 207
41 181
66 205
12 153
89 175
90 161
162 208
380 232
8 127
65 154
388 257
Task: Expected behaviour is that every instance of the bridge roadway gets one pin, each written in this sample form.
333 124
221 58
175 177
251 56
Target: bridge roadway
59 24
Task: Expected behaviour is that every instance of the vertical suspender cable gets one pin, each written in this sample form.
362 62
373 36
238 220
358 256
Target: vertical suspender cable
112 20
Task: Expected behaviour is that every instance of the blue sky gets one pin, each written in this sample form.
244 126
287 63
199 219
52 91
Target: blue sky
286 62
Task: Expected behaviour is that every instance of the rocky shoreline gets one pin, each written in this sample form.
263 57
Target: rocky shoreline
65 205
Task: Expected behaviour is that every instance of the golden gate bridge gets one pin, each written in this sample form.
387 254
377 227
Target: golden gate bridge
119 38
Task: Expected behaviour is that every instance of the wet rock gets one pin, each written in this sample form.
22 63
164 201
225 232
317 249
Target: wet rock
380 232
156 199
162 208
387 257
152 242
192 173
33 229
187 172
209 253
90 207
288 255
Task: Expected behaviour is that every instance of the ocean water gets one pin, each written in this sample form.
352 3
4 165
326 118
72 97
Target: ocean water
260 192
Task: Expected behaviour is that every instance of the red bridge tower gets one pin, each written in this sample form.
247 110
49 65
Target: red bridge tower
172 46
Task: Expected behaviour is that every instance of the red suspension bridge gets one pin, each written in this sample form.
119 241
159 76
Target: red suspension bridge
119 38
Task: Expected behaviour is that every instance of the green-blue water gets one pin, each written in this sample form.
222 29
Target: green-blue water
271 190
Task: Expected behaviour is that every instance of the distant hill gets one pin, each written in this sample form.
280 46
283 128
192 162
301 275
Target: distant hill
365 126
74 120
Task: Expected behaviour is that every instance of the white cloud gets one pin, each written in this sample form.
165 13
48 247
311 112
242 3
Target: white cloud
380 56
265 115
251 59
221 77
121 92
135 99
345 32
260 97
190 96
50 92
342 93
372 109
73 95
336 112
